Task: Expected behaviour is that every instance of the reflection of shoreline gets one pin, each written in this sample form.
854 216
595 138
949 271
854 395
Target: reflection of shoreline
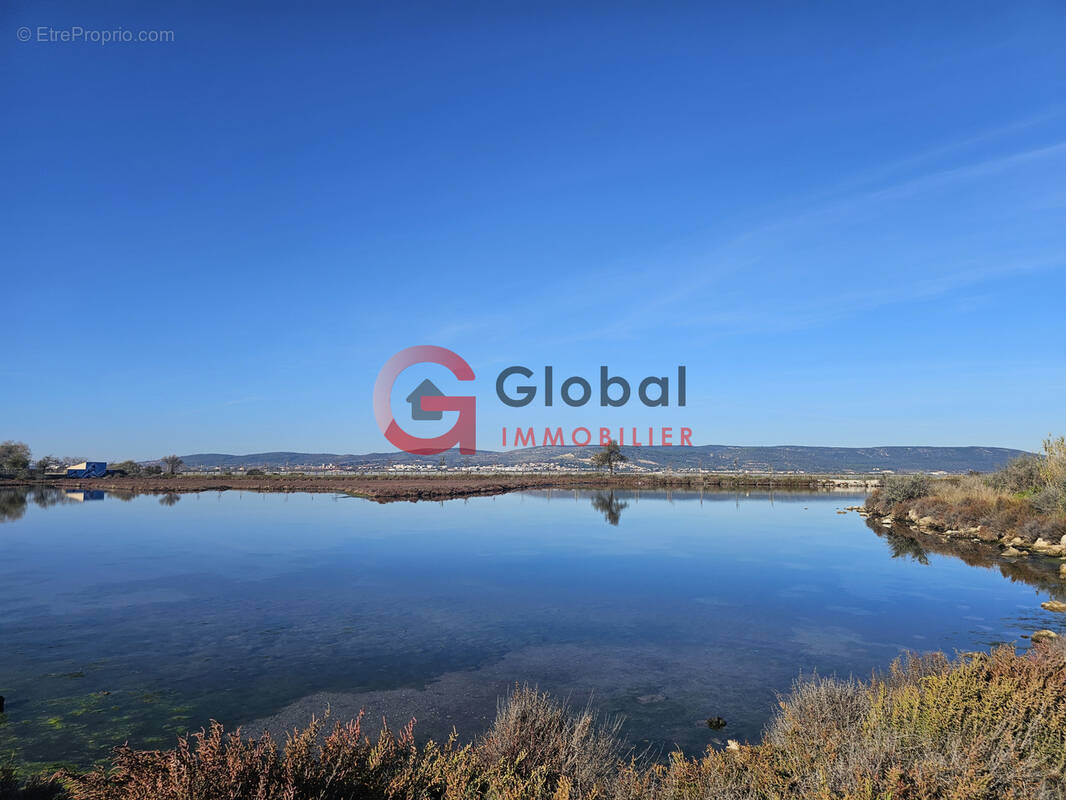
446 485
1040 573
710 494
15 501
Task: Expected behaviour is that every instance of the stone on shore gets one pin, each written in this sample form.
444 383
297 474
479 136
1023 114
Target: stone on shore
1047 548
1044 636
1054 605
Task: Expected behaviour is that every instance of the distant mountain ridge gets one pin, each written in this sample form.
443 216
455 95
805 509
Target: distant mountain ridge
784 458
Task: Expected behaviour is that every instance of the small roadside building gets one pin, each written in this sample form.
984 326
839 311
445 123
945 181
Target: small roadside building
87 469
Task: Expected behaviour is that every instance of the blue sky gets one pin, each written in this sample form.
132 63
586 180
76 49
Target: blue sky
848 223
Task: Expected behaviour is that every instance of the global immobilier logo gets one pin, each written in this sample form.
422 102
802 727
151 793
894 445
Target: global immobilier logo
428 403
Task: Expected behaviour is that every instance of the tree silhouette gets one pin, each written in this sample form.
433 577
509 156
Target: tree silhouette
606 504
14 457
610 455
173 464
12 504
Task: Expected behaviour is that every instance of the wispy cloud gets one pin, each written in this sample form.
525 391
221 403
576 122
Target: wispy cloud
937 266
813 259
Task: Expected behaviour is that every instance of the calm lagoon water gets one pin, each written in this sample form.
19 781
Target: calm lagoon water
142 618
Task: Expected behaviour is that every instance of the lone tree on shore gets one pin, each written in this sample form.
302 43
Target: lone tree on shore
610 455
14 457
172 463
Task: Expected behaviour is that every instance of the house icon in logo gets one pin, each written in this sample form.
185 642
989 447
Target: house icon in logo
424 389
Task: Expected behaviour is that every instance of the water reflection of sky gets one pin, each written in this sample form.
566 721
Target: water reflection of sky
668 607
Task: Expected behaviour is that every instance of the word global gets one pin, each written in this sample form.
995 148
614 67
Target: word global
576 391
582 437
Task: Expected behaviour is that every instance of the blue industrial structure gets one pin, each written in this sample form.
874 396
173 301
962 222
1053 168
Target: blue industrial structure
88 469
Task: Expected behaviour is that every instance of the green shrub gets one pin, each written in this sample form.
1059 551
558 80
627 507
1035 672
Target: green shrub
129 468
1022 474
1049 500
903 488
14 458
1053 467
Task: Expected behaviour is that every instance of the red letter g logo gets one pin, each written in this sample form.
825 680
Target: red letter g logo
463 433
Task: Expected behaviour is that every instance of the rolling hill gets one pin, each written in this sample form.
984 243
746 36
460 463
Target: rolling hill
785 458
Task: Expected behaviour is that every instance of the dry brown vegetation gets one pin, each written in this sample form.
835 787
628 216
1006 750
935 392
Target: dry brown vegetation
1026 499
982 726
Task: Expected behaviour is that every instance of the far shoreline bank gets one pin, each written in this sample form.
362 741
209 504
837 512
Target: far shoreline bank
385 488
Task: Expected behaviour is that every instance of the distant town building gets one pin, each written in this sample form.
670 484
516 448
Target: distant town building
87 469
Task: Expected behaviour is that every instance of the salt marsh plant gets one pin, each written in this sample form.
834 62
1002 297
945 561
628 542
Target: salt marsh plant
982 726
901 488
